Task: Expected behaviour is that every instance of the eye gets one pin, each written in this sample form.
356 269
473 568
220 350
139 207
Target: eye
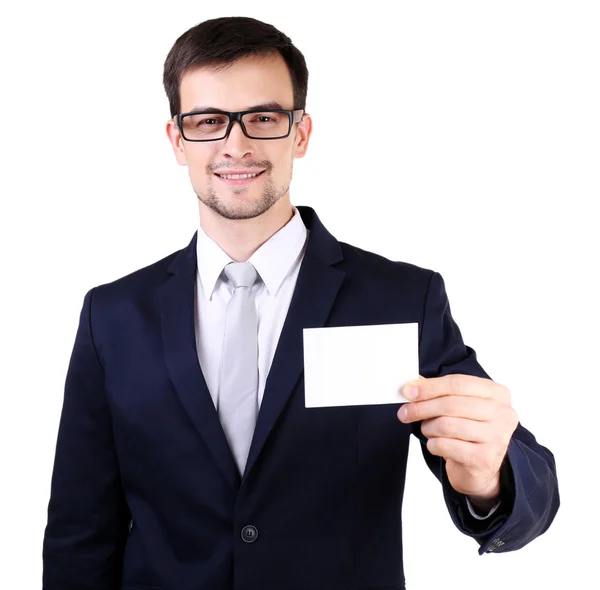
210 121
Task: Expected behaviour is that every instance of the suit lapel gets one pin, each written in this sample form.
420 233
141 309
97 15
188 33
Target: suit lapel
178 333
314 295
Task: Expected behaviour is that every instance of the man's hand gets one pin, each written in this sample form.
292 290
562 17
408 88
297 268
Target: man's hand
469 421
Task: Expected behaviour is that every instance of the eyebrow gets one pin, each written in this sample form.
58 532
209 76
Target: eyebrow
265 106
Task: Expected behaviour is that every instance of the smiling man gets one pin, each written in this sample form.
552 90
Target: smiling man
239 171
186 458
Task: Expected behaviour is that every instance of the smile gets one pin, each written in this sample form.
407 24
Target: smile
238 178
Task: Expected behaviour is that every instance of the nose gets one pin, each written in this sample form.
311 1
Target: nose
236 144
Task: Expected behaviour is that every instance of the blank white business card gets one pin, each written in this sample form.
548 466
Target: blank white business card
359 365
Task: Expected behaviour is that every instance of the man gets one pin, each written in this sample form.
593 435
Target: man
186 458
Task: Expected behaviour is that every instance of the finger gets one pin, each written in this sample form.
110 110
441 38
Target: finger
458 428
466 385
465 453
458 406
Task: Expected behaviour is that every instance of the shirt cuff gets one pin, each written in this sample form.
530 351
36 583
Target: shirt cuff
478 516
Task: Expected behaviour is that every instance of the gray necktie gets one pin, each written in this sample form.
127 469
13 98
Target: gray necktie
238 384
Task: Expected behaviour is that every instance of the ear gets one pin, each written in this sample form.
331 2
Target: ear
303 136
177 142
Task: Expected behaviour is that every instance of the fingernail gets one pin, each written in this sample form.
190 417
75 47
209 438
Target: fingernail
411 392
402 413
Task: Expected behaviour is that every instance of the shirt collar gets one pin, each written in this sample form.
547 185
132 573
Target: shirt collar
273 260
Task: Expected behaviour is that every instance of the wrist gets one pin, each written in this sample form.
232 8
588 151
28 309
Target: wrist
485 500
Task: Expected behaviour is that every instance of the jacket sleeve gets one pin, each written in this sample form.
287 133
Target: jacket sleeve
530 496
88 518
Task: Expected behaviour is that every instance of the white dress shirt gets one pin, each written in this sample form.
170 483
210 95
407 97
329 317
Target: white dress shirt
277 262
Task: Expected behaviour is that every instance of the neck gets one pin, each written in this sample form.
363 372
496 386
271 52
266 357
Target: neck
240 238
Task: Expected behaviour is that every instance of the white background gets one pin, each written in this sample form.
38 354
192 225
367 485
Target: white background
486 170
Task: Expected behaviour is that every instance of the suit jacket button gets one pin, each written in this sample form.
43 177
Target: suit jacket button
249 534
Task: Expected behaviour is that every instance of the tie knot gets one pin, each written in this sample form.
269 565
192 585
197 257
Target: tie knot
241 274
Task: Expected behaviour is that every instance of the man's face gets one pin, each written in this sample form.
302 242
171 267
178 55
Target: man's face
244 85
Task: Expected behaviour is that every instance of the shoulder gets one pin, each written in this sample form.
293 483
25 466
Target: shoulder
137 286
369 266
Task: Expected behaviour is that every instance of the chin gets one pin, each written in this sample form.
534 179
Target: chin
241 203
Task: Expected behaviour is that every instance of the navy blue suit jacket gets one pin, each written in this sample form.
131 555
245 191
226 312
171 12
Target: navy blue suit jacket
145 492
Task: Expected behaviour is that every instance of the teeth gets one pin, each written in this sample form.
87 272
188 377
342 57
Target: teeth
238 176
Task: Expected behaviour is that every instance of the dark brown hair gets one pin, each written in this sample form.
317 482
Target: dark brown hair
222 41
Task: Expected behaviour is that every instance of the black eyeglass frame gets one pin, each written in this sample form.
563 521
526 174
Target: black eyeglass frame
294 116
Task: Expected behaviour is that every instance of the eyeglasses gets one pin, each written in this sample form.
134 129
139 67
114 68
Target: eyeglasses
256 124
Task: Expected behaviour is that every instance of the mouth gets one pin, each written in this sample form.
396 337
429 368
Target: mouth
238 179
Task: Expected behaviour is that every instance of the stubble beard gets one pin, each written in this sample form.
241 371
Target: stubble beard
240 209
